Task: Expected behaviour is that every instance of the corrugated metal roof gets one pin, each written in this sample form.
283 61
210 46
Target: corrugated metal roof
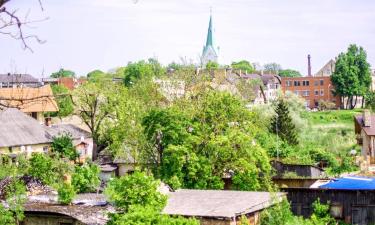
351 183
215 203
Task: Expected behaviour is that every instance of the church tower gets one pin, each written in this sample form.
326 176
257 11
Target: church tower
209 53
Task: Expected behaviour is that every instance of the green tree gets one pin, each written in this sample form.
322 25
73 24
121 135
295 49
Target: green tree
243 65
282 124
16 198
41 167
63 73
6 216
142 70
97 75
289 73
272 67
63 145
136 189
66 194
64 100
352 75
212 65
86 178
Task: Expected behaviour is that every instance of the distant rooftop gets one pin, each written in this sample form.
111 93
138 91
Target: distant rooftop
17 78
351 183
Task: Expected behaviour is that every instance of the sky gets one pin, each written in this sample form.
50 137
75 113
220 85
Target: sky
84 35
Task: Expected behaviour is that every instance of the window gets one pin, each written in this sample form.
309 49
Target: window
316 83
297 83
296 92
316 92
45 149
10 149
305 83
321 82
305 93
321 92
288 83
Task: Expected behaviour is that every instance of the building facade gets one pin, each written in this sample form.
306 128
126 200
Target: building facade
18 80
314 90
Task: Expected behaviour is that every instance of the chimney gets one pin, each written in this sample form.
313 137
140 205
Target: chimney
48 121
309 65
366 118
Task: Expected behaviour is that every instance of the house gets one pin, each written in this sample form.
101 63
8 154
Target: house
214 207
267 89
313 89
351 199
33 101
22 134
327 70
68 82
364 128
171 89
18 80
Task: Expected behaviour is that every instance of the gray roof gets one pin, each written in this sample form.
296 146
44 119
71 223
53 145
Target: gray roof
19 129
214 203
74 131
17 78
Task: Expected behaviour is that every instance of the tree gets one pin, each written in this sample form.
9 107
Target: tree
352 75
41 167
289 73
282 124
212 65
66 194
63 145
95 104
86 178
205 137
139 202
63 73
97 75
10 19
137 189
142 70
243 65
272 67
16 198
64 100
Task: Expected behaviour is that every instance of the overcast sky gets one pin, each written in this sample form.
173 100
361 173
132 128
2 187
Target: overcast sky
83 35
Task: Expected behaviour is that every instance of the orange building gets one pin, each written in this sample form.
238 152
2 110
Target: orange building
312 89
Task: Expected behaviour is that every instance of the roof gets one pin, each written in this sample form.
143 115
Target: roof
370 131
19 129
89 208
17 78
74 131
350 183
215 203
29 99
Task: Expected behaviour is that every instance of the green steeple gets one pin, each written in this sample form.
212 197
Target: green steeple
209 41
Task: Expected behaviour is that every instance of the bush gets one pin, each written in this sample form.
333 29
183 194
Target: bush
41 167
86 178
63 145
66 194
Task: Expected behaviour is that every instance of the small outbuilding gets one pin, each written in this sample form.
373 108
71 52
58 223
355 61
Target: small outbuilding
215 207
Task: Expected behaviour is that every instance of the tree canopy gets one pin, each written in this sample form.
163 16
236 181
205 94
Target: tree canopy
64 100
272 67
243 65
142 70
352 75
63 73
289 73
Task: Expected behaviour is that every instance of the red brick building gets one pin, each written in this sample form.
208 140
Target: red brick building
312 89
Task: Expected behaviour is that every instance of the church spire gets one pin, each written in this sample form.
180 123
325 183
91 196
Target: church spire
209 41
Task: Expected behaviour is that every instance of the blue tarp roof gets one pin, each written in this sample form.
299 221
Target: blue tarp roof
351 183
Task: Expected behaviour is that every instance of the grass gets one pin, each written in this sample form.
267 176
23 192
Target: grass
331 117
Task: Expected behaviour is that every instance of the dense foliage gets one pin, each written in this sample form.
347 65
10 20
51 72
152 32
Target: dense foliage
64 101
140 202
86 178
142 70
197 141
243 65
66 194
63 73
289 73
63 146
352 75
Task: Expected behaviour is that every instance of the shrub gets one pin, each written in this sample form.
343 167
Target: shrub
63 145
66 194
41 167
86 178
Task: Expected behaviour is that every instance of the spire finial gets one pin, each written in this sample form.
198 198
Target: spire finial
210 10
